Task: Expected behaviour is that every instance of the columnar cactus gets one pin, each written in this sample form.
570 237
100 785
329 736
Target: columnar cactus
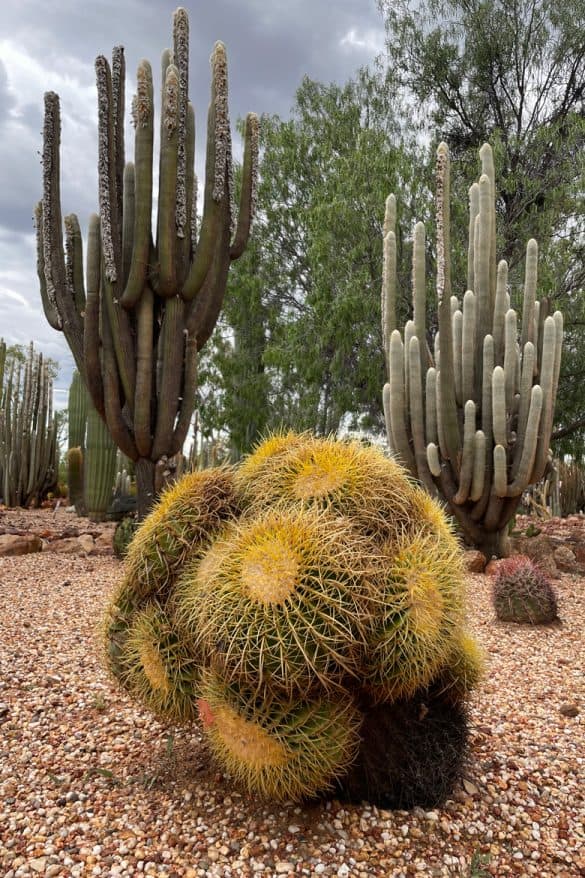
28 431
99 467
471 418
77 422
152 296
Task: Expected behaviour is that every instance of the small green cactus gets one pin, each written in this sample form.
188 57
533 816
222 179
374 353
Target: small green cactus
123 535
522 593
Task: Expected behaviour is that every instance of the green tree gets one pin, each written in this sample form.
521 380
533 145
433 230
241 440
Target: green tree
512 74
314 274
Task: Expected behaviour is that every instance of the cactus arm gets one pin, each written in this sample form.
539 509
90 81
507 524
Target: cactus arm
500 479
431 405
54 257
50 309
118 110
397 402
446 375
91 336
204 311
128 217
525 400
167 232
388 290
388 417
143 113
181 61
473 212
144 356
419 289
74 262
479 466
467 463
118 319
548 368
457 320
487 168
500 309
433 460
468 343
482 279
188 400
416 415
170 385
529 445
530 281
185 244
510 357
249 186
111 383
218 149
499 406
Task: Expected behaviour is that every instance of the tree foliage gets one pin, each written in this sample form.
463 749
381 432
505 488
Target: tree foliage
303 307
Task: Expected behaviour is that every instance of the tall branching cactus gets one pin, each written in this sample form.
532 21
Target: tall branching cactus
28 431
152 296
472 419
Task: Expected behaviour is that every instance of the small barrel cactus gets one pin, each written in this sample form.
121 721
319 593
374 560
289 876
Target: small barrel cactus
522 593
307 609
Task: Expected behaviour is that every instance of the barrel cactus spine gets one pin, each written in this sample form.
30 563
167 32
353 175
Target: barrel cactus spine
151 297
472 420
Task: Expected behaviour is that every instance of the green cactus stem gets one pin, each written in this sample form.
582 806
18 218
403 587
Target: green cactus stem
153 291
99 468
485 407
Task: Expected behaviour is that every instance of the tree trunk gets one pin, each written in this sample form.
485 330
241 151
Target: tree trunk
145 490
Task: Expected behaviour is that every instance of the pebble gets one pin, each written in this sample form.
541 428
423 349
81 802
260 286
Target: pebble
96 792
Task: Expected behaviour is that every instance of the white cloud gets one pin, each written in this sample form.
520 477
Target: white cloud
370 40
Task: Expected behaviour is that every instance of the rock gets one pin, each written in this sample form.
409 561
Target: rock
103 544
565 559
81 545
121 506
539 549
475 561
493 567
38 864
10 544
569 709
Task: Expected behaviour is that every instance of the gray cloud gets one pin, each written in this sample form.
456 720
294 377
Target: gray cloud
271 44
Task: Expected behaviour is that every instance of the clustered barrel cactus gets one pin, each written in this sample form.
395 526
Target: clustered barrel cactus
472 418
307 609
28 430
152 296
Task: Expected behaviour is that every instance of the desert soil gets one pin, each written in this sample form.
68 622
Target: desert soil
92 785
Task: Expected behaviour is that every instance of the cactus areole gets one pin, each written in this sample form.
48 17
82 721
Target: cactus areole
471 419
151 295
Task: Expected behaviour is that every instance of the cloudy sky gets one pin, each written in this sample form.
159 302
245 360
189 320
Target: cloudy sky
271 44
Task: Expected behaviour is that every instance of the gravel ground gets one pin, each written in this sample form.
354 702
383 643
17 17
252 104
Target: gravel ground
89 785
